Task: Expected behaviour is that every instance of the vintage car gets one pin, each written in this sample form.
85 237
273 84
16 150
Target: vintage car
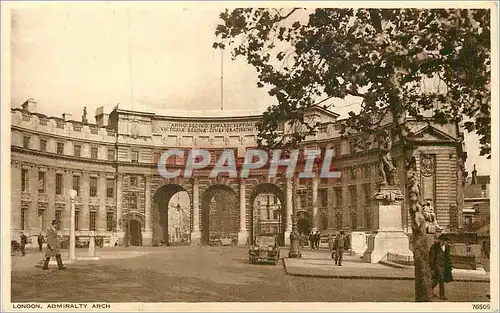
223 240
265 249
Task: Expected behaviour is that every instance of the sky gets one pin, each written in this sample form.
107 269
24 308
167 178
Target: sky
68 57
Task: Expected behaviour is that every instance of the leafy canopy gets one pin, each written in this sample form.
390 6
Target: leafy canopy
384 56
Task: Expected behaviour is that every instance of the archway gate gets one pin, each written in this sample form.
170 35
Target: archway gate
244 190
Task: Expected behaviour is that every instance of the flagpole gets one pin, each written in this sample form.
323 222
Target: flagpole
222 80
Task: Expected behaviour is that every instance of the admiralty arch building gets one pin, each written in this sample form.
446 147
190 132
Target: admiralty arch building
112 165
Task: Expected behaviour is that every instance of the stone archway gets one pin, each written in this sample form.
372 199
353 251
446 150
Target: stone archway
219 213
133 224
160 213
268 188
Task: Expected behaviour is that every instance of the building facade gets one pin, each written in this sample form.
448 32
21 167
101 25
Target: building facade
112 164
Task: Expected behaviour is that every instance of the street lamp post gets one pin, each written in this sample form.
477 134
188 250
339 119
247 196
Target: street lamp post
179 224
72 240
279 222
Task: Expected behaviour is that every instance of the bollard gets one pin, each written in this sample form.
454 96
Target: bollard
92 246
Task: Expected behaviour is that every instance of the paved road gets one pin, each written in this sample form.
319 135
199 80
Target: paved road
204 274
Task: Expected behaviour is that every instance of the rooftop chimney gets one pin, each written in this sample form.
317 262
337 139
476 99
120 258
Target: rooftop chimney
101 118
29 105
474 176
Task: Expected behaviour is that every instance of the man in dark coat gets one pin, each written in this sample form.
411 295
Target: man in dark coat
40 242
53 248
339 248
24 242
440 263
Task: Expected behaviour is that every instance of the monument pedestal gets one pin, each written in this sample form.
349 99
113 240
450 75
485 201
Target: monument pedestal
389 236
358 242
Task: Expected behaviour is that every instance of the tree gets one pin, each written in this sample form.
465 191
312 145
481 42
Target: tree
384 57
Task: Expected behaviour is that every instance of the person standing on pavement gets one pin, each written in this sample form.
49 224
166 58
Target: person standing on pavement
317 239
40 242
24 242
440 263
339 248
53 248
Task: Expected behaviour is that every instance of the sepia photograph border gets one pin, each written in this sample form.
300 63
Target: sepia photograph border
8 306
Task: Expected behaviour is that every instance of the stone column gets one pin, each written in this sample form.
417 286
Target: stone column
243 234
32 216
195 232
119 203
289 210
15 196
315 217
147 238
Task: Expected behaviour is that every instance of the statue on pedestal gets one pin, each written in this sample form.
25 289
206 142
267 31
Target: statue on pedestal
294 240
387 169
84 116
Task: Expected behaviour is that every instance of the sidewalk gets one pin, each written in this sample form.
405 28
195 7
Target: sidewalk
318 264
34 258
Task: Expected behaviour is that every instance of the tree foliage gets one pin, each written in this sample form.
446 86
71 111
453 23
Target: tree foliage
382 56
428 64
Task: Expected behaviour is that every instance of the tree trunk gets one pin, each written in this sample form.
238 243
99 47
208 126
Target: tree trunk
423 278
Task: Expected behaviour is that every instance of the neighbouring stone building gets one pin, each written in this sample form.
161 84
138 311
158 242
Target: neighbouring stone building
476 210
112 165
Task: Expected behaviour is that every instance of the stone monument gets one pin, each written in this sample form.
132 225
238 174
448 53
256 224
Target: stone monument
389 235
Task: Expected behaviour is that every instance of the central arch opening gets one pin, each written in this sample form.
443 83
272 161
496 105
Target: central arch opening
220 214
268 213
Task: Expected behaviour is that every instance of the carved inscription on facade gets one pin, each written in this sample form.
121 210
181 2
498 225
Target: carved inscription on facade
242 127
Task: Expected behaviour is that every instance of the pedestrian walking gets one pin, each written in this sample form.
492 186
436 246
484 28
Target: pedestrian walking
311 240
440 263
339 248
317 237
40 242
24 242
53 248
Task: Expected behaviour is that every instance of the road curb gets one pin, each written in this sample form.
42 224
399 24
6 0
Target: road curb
374 277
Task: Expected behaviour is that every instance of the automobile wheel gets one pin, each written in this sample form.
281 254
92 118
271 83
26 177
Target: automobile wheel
219 243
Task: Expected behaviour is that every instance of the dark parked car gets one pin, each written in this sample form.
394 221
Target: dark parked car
265 249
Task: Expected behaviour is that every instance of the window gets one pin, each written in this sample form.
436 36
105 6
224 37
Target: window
338 197
41 219
26 142
110 187
24 180
77 219
135 156
110 217
92 221
58 218
352 196
41 182
133 202
93 152
76 184
133 181
94 130
338 221
43 145
111 155
24 218
323 197
93 186
367 193
60 148
352 173
336 148
368 220
60 124
367 171
77 150
59 183
354 220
